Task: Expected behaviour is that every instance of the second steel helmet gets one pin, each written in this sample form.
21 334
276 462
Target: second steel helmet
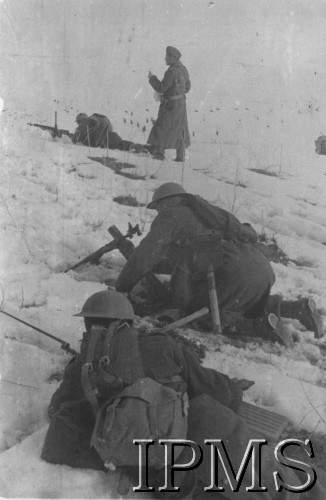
81 116
165 191
107 304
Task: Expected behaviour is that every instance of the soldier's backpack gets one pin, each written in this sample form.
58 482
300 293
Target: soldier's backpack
140 407
216 218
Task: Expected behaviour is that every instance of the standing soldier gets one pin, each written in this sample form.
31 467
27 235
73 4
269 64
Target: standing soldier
170 130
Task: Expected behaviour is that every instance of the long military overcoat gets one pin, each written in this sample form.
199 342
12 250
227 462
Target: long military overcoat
172 123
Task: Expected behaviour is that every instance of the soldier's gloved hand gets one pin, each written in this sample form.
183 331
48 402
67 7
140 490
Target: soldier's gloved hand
243 383
150 74
239 386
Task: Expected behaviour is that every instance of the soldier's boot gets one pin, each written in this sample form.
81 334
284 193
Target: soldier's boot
271 327
274 305
305 311
181 156
140 148
268 326
273 308
180 151
159 153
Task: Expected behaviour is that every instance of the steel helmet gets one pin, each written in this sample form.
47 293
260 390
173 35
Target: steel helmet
107 304
81 116
165 191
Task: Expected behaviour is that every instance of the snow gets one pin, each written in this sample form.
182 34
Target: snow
257 102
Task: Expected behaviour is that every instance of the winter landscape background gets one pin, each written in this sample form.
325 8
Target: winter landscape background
257 104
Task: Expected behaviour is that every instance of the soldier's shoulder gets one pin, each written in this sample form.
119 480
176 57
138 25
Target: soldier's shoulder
184 211
179 66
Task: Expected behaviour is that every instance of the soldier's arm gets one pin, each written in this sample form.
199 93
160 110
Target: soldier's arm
74 136
165 266
70 388
165 84
188 84
201 380
150 252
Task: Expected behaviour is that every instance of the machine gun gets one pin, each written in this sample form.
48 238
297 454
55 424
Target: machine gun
54 131
64 345
119 242
126 247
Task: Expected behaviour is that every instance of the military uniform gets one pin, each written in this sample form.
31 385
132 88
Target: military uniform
170 130
244 276
243 281
72 423
96 131
214 402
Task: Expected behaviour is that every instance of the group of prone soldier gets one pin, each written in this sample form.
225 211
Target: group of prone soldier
95 131
244 278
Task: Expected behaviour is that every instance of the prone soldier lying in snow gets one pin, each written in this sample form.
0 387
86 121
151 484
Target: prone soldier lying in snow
94 418
96 131
244 276
74 407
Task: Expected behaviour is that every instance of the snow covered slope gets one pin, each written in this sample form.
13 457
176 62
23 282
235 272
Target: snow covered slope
256 106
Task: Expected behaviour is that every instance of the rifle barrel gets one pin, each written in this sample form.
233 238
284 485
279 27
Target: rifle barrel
55 131
95 255
39 125
64 344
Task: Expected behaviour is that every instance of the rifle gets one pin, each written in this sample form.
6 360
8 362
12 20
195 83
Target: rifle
64 345
117 243
54 131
